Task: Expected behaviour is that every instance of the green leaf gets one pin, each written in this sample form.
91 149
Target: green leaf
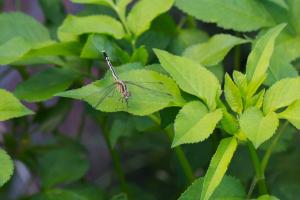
143 12
259 58
56 49
121 6
99 2
280 3
292 114
16 24
13 49
186 38
240 80
294 10
229 188
246 15
218 71
160 34
121 196
121 127
95 44
43 85
256 100
280 67
218 167
58 194
6 167
74 26
257 127
52 11
51 165
267 197
88 191
285 139
233 95
191 77
19 33
214 50
10 106
154 92
140 55
194 123
229 123
281 94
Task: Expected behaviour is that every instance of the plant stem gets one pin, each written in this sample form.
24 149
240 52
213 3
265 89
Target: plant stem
186 167
237 58
22 71
260 178
81 127
269 151
116 160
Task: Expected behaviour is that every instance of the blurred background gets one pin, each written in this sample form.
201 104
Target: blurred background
65 143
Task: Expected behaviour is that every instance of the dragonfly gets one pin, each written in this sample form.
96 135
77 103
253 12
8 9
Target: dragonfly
122 87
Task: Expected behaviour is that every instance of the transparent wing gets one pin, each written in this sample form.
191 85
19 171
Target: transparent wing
147 87
98 96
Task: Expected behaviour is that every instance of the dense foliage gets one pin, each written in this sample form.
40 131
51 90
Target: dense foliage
210 116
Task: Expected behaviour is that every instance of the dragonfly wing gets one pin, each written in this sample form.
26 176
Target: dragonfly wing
138 84
103 94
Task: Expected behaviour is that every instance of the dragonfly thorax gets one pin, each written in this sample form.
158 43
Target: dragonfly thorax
122 88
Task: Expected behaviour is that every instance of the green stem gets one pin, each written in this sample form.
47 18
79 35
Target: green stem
262 187
191 22
186 167
270 149
237 58
116 160
22 71
81 127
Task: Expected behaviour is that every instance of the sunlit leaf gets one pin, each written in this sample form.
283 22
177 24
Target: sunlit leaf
229 188
144 11
10 106
214 50
292 114
240 80
281 94
257 127
13 49
218 167
191 77
154 92
246 15
74 26
259 59
233 95
194 123
6 167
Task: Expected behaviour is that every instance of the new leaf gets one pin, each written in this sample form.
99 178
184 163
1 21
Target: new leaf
218 166
257 127
194 123
191 77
